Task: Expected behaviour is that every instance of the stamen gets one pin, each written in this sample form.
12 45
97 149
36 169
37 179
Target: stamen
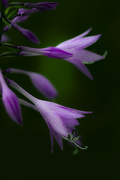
72 139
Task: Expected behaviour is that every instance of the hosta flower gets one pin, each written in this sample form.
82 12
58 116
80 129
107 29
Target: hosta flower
41 83
75 47
61 120
10 101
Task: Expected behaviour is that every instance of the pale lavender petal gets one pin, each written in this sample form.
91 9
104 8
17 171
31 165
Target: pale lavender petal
65 112
27 33
58 139
80 66
86 56
70 122
79 44
11 102
43 85
4 38
65 43
50 117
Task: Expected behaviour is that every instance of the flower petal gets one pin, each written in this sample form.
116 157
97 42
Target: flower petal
70 122
65 43
4 38
11 102
50 117
27 33
58 139
80 66
65 112
79 44
40 82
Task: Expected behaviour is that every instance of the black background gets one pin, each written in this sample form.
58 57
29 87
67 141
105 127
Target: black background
27 150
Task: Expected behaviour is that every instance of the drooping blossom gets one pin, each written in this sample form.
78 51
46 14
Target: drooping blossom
41 83
75 46
10 101
61 120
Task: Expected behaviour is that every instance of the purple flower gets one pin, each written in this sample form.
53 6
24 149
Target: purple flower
10 102
61 120
81 56
74 47
27 33
41 83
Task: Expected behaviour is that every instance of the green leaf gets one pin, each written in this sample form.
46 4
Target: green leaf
13 13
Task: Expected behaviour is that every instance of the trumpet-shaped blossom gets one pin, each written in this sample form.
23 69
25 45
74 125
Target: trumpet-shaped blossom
75 47
61 120
41 83
10 102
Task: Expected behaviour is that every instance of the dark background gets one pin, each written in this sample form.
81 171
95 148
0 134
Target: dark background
27 149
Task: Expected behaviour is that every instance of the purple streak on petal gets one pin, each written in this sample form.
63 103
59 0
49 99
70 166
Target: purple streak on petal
27 33
4 38
10 102
58 139
80 66
42 6
52 52
65 43
12 107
